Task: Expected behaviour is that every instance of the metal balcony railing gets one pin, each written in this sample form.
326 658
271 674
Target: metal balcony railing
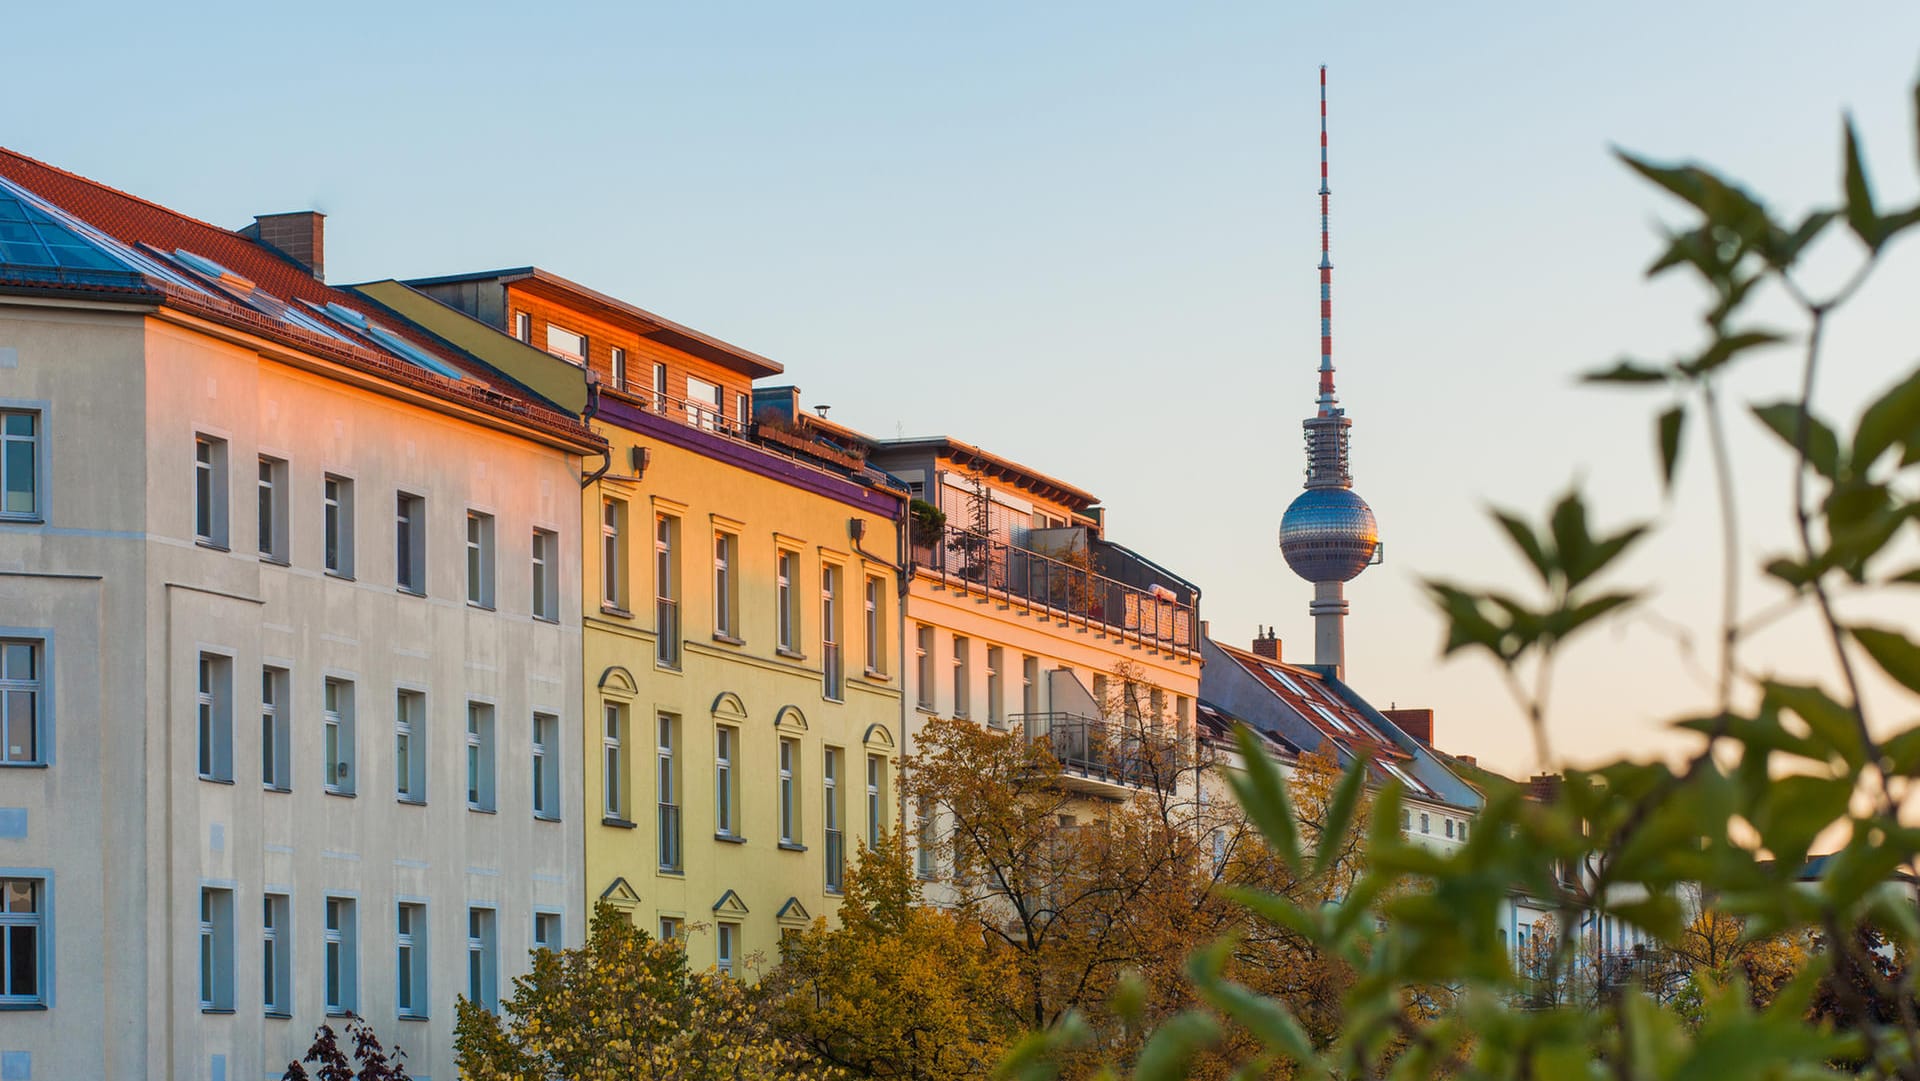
669 837
836 860
1097 750
666 630
833 675
965 559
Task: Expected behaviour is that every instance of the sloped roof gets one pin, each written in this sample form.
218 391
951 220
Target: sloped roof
181 262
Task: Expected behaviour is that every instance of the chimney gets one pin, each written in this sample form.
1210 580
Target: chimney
1544 788
1266 645
299 235
1417 723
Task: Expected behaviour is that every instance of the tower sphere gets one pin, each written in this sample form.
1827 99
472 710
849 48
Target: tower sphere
1328 535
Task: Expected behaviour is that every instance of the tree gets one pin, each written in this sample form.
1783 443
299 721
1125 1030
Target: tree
624 1006
330 1061
899 990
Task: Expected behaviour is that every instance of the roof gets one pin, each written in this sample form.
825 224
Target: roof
645 323
167 259
993 466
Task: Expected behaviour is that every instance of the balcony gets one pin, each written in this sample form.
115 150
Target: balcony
666 630
836 860
670 837
963 559
1104 758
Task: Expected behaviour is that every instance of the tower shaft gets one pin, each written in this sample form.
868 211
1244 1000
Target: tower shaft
1329 609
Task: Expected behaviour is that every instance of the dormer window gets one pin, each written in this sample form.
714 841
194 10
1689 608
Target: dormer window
567 345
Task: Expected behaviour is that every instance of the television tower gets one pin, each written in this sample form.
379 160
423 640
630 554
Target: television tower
1328 534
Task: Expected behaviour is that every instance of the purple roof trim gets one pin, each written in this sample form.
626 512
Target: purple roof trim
751 459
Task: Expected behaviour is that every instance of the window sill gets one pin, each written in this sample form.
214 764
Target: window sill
538 817
210 544
217 1009
10 1007
24 765
876 676
276 1015
21 520
835 698
614 610
413 1017
344 576
791 654
729 639
482 607
409 801
538 618
659 667
831 892
341 792
275 561
789 846
672 872
481 810
619 823
928 710
214 780
276 788
730 838
404 591
341 1013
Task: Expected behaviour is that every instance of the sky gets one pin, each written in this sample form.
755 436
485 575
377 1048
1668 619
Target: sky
1085 237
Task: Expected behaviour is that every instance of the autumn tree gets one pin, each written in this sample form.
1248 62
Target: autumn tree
625 1007
900 989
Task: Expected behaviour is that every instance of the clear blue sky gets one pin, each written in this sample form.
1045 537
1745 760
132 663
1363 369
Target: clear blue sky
1085 236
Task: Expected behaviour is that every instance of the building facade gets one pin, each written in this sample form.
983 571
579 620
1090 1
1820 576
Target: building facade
742 675
291 653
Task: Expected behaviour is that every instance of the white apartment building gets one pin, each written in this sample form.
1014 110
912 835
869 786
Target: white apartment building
289 653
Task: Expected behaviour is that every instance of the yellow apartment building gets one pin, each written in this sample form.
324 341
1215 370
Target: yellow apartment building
740 628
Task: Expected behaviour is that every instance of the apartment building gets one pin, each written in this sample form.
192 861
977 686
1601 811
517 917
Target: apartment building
742 671
289 651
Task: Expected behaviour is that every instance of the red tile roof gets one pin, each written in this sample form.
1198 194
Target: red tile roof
1311 698
136 222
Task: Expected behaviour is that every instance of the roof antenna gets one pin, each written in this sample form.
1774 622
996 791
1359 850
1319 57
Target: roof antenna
1326 264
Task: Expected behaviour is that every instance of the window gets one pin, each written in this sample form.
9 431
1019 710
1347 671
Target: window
216 949
724 740
613 554
410 940
546 575
830 666
669 928
669 789
273 510
830 816
786 601
1424 825
410 543
215 710
1449 829
703 403
23 940
923 849
614 760
729 943
275 963
1462 832
660 388
482 959
479 756
996 709
21 729
480 559
1029 685
923 663
876 799
19 464
567 345
546 766
743 410
619 362
666 591
337 525
336 743
963 676
275 739
409 747
523 327
789 796
342 957
876 633
210 490
546 932
724 547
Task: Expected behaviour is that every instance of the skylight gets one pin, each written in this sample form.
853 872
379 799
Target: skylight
30 237
1412 785
213 270
412 352
1331 718
347 315
1285 680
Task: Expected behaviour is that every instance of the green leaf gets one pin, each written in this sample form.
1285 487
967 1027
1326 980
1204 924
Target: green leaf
1266 1017
1172 1046
1823 447
1524 538
1861 217
1659 915
1894 652
1626 372
1830 723
1894 416
1670 425
1725 347
1902 753
1262 792
1340 810
1906 577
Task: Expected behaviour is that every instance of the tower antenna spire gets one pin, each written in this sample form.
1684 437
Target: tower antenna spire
1326 402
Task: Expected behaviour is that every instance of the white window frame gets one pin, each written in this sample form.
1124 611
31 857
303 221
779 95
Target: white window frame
876 808
271 521
617 364
963 677
21 504
832 664
411 941
726 744
216 949
276 972
481 744
789 792
666 595
340 956
480 559
725 545
787 638
660 387
546 766
210 490
613 516
923 666
410 746
276 733
876 633
336 722
336 525
670 838
29 686
996 707
544 601
213 711
568 345
613 761
483 957
410 543
726 944
523 326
